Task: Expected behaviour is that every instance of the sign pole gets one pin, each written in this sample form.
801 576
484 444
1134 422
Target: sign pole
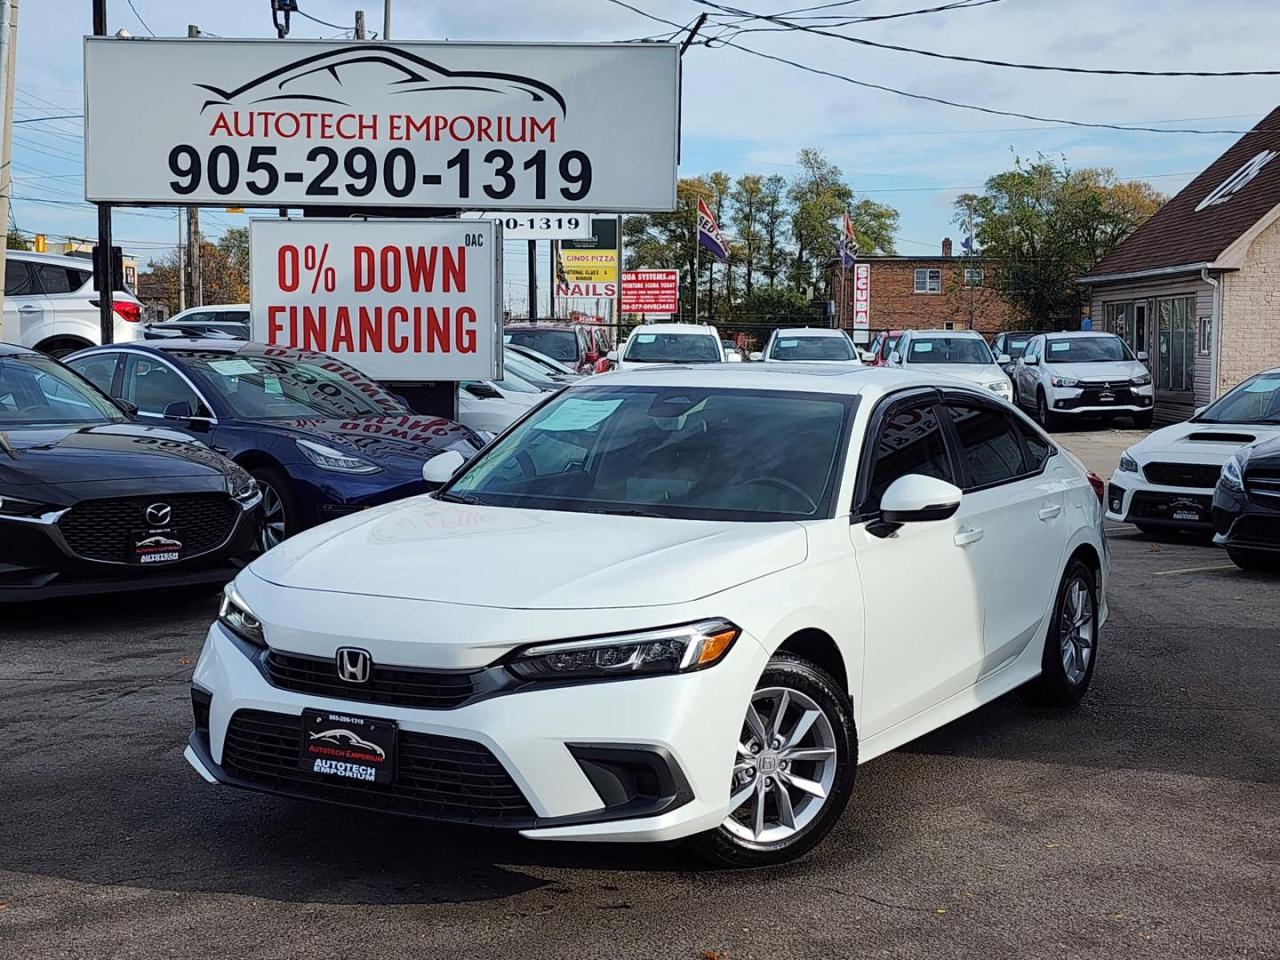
102 268
617 300
533 281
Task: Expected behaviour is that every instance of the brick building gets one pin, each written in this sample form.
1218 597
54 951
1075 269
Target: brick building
945 292
1198 285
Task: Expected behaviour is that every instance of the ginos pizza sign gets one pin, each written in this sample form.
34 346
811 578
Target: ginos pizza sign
407 300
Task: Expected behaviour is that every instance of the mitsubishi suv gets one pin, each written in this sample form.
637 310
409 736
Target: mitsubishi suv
1070 376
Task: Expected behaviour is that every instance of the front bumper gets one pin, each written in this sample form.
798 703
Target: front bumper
1090 401
1132 499
1241 524
543 749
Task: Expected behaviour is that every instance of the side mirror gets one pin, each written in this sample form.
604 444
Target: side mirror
128 406
179 410
733 357
1143 356
1030 361
1004 359
866 356
440 468
895 358
916 498
612 356
756 356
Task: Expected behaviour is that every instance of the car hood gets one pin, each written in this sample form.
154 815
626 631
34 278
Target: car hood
979 373
1200 442
116 451
427 549
1120 371
410 437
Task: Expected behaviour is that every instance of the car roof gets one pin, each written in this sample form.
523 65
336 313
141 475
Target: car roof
15 350
1078 334
807 378
940 334
701 329
208 308
810 332
57 259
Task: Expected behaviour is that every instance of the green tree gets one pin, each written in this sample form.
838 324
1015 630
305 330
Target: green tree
748 200
670 240
16 241
1045 225
774 215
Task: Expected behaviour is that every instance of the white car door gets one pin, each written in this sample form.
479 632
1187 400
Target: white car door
1014 509
921 598
25 305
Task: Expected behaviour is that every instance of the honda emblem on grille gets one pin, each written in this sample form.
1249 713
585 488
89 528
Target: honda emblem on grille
158 514
354 664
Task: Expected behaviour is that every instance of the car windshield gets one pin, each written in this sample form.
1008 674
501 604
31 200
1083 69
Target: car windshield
658 347
694 453
36 391
948 350
1257 400
1086 350
558 344
523 367
1016 346
259 386
514 383
550 364
811 348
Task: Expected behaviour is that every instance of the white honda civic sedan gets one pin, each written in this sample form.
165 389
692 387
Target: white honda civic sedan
677 602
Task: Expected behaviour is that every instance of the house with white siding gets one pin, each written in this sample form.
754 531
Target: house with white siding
1198 285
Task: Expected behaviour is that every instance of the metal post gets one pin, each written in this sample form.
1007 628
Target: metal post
697 269
194 259
533 279
8 41
617 303
103 268
182 266
386 19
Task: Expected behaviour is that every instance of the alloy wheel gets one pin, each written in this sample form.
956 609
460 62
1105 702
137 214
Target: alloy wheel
785 767
1075 626
273 518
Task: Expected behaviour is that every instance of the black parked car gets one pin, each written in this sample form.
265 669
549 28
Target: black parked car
1246 507
1013 343
93 502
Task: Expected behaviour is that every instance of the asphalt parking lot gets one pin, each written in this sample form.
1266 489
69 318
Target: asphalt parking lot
1144 824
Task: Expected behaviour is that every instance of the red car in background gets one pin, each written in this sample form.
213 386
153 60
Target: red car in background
583 346
881 347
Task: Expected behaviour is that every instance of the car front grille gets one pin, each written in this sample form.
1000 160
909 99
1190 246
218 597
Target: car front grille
1201 476
1264 487
391 686
1255 529
440 778
105 529
1147 505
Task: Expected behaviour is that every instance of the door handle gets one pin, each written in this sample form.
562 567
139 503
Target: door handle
27 308
1049 512
968 536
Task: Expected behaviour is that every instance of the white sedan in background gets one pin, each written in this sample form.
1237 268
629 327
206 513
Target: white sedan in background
652 343
952 353
707 596
809 345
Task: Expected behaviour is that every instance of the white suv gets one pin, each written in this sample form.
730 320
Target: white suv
669 343
809 345
955 353
50 305
1082 374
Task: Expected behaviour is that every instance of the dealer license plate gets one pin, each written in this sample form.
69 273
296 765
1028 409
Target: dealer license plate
343 747
1106 397
156 546
1183 513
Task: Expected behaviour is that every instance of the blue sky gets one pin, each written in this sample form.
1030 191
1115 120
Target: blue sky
745 114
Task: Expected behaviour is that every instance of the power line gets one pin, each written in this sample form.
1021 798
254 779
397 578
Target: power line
1106 72
66 116
336 26
140 20
938 100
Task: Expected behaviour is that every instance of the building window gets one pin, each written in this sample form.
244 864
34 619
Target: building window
928 281
1175 351
1205 336
973 276
952 325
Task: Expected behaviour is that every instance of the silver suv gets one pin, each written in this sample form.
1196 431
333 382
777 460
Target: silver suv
50 305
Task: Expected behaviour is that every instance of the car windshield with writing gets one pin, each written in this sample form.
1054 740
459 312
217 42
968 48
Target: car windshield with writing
36 391
1086 350
1016 347
258 387
692 453
672 348
948 350
811 348
560 345
1257 400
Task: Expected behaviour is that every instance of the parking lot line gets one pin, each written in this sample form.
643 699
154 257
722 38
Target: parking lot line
1216 566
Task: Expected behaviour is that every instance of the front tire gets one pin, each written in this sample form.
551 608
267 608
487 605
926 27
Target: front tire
1254 561
279 507
1071 644
1043 414
793 771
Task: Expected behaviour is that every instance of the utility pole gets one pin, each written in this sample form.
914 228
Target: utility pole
181 278
104 268
8 54
360 34
386 19
194 259
533 277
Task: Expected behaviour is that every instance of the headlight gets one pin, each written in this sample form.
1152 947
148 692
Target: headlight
1128 464
236 616
1142 381
1231 477
999 386
241 486
327 458
16 507
667 650
1063 381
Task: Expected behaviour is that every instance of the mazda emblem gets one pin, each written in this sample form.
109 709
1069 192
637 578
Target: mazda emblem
158 514
354 665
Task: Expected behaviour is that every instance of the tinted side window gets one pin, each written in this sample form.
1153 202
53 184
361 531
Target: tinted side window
55 279
99 369
156 387
989 448
19 281
910 442
1038 448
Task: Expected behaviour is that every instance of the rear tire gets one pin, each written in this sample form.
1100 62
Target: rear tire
794 780
59 347
1254 561
279 507
1071 644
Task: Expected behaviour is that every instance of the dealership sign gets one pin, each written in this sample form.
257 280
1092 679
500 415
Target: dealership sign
651 291
861 302
538 226
309 123
400 300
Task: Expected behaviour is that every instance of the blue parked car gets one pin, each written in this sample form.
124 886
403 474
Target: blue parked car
321 438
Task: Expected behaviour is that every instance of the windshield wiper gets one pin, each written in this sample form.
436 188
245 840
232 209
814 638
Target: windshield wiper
630 512
457 497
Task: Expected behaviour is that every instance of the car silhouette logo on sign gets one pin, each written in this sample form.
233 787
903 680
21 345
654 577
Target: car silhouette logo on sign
158 514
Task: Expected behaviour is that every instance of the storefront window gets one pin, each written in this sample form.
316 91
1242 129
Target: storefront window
1176 344
1128 321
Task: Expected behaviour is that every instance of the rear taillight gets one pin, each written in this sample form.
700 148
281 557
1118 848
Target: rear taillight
1099 485
127 310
